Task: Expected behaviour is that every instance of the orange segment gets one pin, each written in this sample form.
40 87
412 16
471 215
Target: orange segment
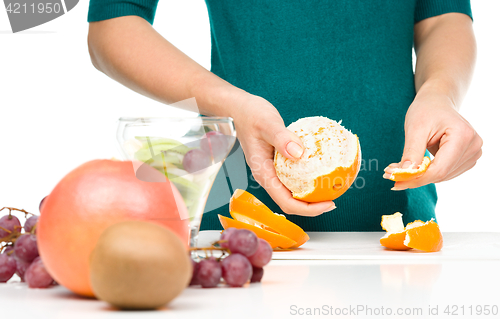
426 237
275 240
405 174
248 209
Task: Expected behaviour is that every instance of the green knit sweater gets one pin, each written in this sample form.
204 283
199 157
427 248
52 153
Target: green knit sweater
348 60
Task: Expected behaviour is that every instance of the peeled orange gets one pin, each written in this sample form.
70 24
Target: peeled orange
414 171
329 164
417 234
250 213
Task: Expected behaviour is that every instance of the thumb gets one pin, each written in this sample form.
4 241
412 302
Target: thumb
286 142
415 146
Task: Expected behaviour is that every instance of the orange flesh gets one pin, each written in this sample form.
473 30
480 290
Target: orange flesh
275 240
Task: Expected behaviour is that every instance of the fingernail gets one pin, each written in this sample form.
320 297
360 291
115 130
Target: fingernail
386 175
406 164
330 208
294 149
395 188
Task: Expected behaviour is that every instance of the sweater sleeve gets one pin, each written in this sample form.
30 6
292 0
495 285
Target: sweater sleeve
108 9
430 8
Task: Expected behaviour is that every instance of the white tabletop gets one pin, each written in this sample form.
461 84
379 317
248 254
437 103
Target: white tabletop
325 285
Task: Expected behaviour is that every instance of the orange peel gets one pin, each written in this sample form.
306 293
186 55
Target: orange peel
274 239
412 172
417 234
250 213
247 208
395 237
426 237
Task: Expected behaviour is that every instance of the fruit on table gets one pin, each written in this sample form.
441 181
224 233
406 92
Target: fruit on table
224 243
244 242
209 273
250 213
20 253
406 174
26 248
7 267
37 276
274 239
91 198
262 255
424 236
139 265
257 274
194 276
236 269
30 223
419 235
8 224
396 234
21 267
329 164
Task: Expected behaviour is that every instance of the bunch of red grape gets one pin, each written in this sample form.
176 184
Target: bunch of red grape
19 252
247 257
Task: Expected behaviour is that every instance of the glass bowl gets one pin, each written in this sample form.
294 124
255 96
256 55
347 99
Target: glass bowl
188 150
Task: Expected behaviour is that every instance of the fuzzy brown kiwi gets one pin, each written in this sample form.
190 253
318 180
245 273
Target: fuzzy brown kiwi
139 265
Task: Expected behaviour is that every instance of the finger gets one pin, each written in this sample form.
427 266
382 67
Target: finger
390 169
470 163
283 197
450 151
286 143
415 145
266 177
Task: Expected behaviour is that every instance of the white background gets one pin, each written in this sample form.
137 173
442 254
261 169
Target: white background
57 111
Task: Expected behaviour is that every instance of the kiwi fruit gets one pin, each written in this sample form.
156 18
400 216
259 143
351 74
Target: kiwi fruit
139 265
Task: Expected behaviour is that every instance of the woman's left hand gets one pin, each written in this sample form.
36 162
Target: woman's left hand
433 123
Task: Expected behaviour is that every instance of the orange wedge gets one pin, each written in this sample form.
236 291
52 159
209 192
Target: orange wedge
274 239
412 172
419 235
426 237
246 208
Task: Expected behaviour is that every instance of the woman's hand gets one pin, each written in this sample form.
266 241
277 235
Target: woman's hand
433 123
260 130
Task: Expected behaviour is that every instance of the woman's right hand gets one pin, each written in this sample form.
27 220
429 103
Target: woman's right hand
260 130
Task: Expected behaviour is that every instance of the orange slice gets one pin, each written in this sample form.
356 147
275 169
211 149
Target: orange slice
246 208
419 235
425 236
329 163
412 172
395 237
274 239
